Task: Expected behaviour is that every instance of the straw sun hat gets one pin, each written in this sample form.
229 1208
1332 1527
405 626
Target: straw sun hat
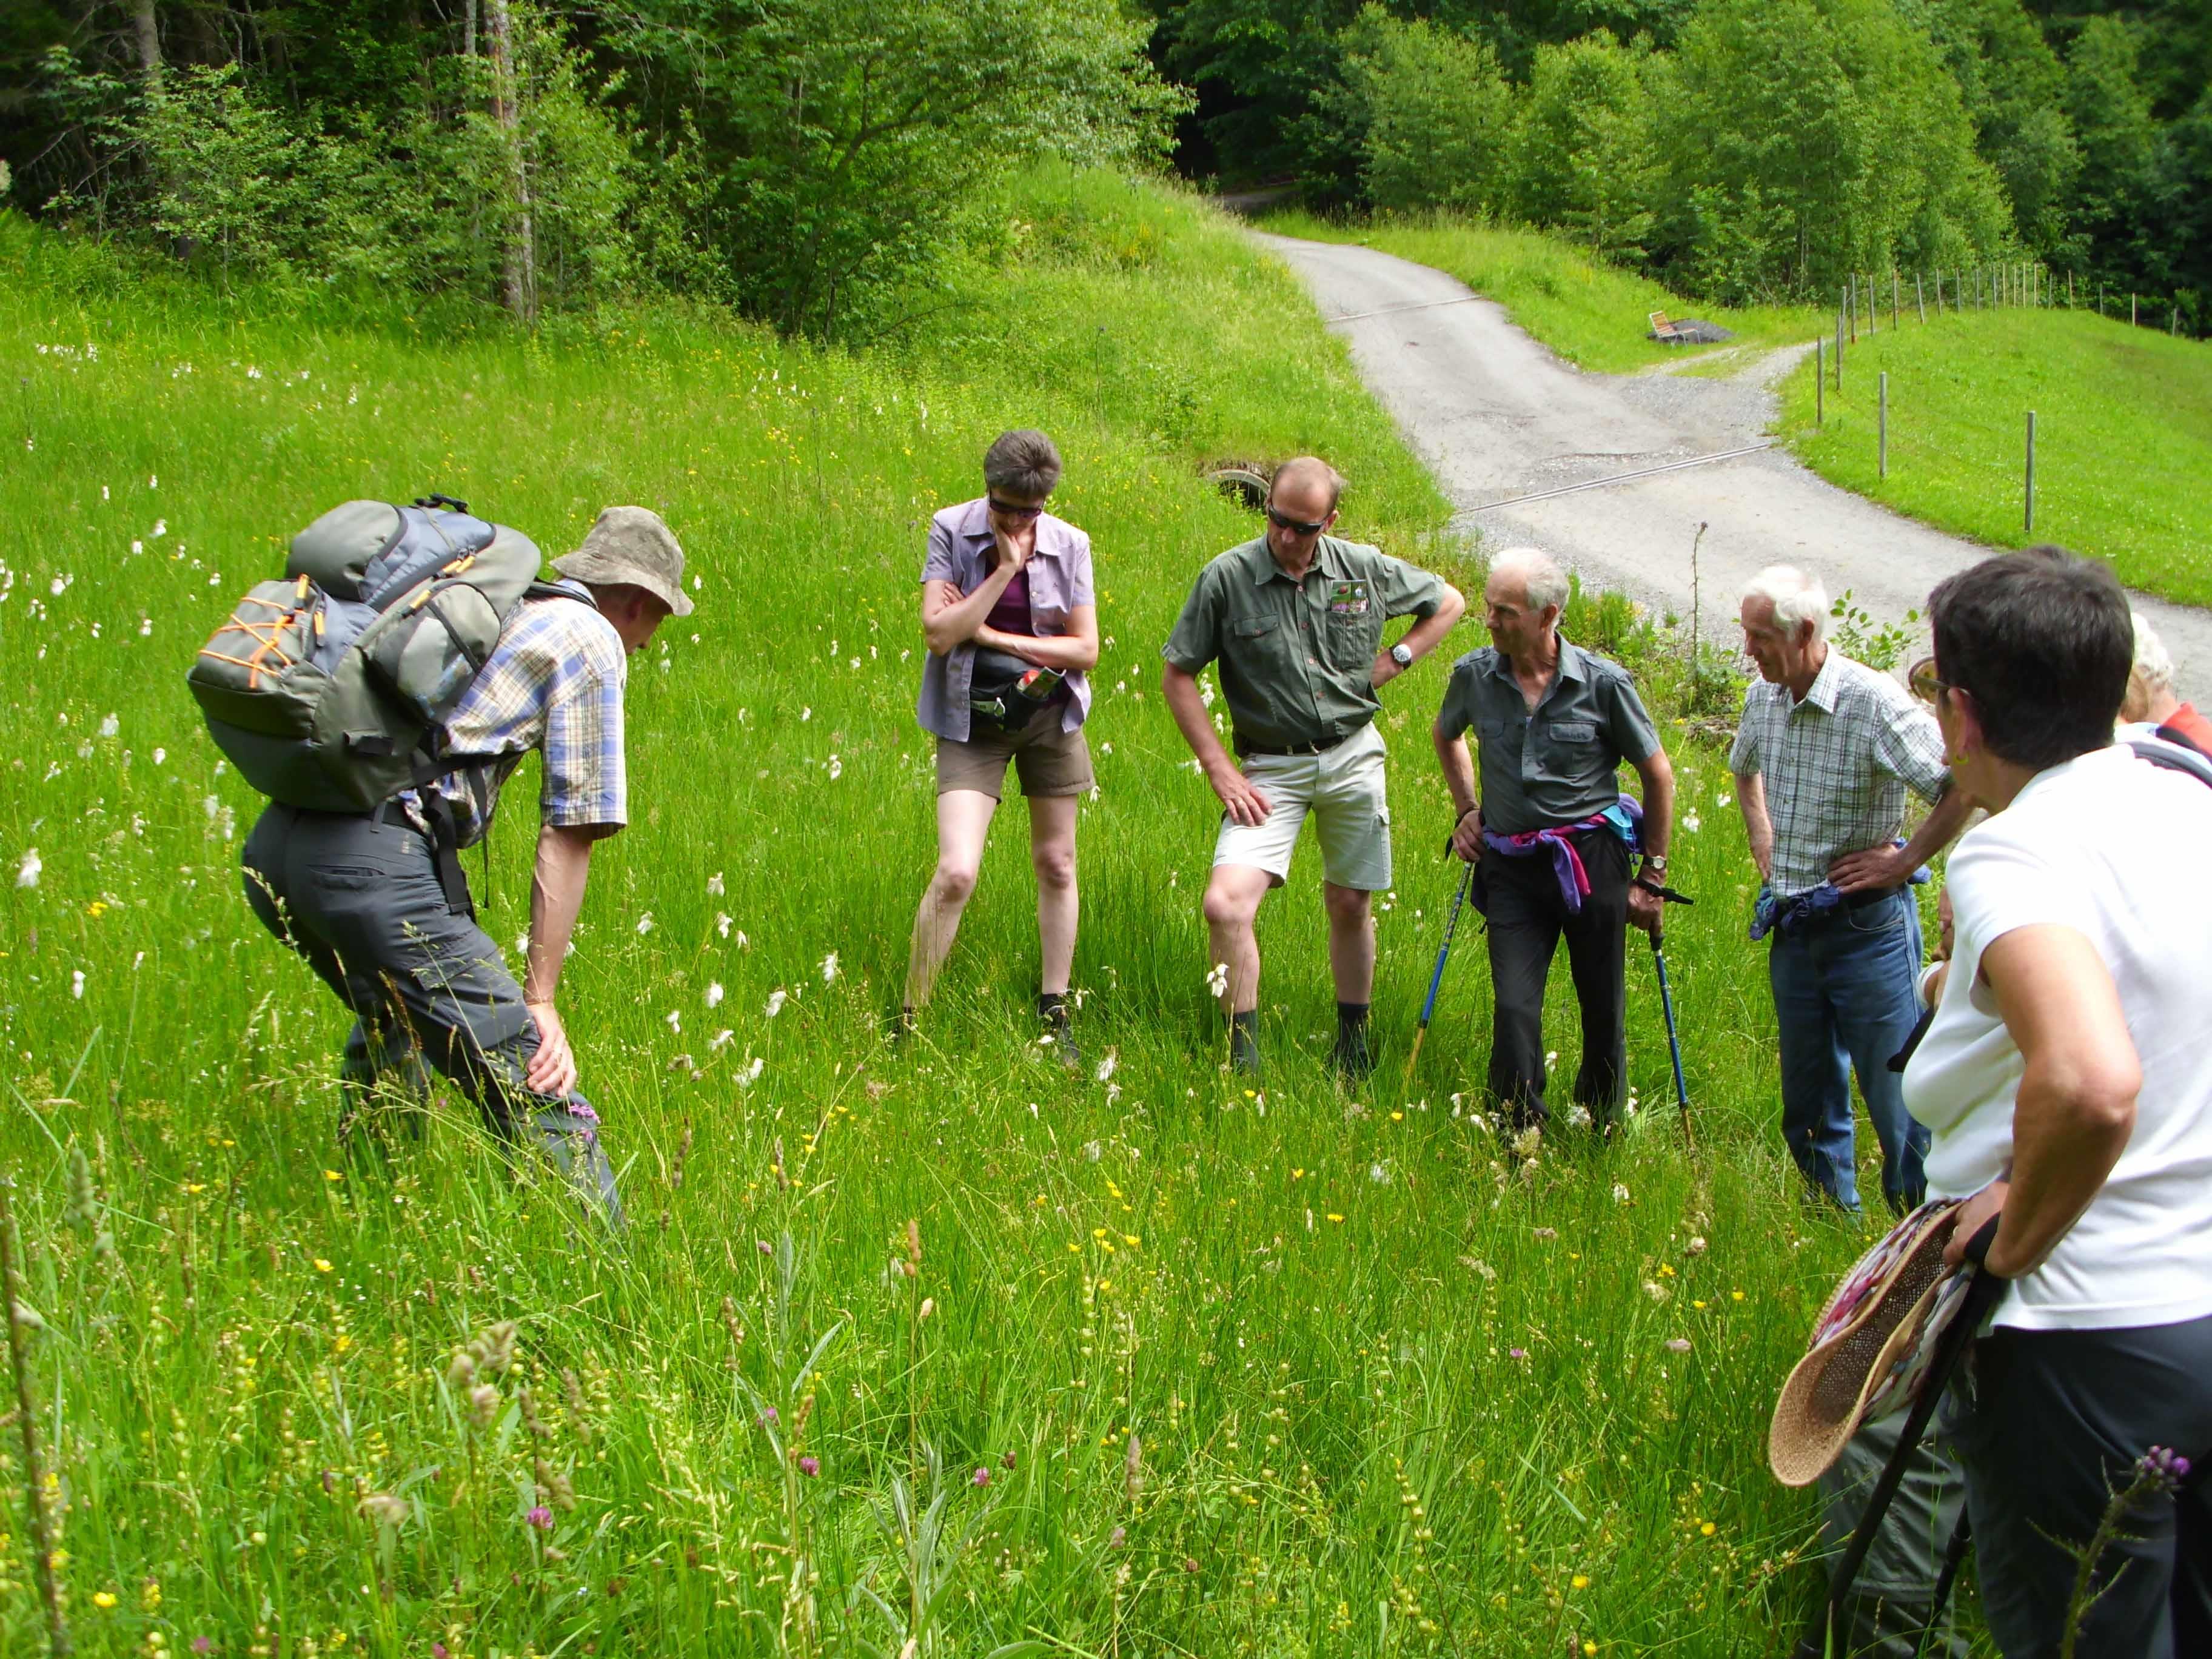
1871 1345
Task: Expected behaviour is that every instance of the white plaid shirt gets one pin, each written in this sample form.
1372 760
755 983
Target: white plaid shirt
553 682
1835 765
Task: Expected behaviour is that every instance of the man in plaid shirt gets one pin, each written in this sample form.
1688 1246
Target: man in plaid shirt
363 898
1822 760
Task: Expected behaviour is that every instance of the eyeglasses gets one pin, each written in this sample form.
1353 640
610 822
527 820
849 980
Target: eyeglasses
1923 682
1018 513
1296 526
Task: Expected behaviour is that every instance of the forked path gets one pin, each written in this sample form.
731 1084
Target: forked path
1497 417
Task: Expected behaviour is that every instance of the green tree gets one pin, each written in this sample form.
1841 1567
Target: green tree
2111 116
1585 151
1432 113
2013 86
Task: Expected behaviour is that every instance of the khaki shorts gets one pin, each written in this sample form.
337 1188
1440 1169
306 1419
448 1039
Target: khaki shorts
1342 790
1048 761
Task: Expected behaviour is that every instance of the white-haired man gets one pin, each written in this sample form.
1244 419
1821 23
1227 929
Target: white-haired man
2151 704
1825 751
1551 836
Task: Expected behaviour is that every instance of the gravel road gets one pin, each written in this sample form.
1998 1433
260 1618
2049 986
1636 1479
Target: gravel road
1497 416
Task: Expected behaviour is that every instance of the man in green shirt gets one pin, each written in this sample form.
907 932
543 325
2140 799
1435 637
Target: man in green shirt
1295 620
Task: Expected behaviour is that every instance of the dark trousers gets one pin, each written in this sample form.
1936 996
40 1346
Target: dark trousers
1895 1589
2057 1421
360 901
1528 917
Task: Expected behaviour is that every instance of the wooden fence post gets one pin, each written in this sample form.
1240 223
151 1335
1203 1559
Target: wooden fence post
2031 472
1874 306
1851 307
2133 321
1881 429
1893 311
1820 382
1839 354
1920 297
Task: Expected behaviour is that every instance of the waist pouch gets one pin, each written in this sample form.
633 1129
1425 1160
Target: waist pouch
1005 692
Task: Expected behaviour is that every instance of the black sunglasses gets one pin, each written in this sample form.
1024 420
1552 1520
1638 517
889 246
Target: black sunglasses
1922 682
1008 510
1296 526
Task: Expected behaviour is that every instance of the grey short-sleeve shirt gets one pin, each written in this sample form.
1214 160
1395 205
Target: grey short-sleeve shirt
1556 764
1297 659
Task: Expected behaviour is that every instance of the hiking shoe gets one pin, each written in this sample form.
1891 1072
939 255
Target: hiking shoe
1062 1036
1352 1059
899 1025
1243 1050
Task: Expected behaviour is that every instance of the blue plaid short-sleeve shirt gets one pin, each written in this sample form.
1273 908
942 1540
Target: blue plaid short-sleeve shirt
553 683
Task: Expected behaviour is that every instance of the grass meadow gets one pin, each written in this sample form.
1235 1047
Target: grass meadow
2124 435
931 1352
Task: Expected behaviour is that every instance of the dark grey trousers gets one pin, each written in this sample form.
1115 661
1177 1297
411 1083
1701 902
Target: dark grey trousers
1896 1585
360 901
1528 918
2056 1423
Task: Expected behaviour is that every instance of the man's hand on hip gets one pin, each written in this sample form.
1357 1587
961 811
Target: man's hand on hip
553 1067
1239 797
1874 868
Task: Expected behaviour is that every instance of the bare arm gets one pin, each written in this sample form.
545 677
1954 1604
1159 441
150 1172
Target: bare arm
1244 803
557 893
1657 773
1459 778
1423 636
1076 648
2076 1106
1888 867
948 619
1758 827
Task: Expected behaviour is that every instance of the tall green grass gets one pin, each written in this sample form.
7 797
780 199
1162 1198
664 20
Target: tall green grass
1190 1368
1592 312
2124 435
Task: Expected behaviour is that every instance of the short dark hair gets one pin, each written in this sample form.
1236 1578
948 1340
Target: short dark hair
1023 464
2043 642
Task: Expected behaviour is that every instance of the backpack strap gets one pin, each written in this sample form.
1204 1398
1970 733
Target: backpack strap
2175 754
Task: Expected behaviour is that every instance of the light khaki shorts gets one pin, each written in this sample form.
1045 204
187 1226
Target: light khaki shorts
1342 790
1047 760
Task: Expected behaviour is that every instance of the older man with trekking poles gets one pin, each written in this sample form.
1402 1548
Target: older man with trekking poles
1551 836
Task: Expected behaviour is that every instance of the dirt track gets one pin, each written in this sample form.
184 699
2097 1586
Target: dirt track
1496 416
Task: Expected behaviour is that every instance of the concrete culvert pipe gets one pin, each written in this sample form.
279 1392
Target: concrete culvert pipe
1246 481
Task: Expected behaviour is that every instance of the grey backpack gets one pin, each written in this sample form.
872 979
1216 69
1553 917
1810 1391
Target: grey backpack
329 691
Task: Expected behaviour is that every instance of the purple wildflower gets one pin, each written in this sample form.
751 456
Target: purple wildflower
541 1517
1516 1353
768 1417
1007 1462
982 1477
202 1644
810 1467
2163 1467
766 1248
440 1651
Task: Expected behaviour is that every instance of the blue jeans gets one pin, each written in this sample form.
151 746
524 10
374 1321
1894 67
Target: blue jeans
1844 998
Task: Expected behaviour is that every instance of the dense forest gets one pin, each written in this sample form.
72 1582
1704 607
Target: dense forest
813 162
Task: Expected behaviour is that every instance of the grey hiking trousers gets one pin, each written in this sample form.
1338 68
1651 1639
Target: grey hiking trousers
1895 1590
359 899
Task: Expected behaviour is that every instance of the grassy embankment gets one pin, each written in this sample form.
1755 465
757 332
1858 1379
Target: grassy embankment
1594 314
1399 1388
2124 435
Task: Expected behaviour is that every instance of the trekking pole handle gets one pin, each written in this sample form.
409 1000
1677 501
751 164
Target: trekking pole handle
1978 1246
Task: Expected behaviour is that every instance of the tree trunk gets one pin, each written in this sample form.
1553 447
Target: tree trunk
469 29
148 39
520 284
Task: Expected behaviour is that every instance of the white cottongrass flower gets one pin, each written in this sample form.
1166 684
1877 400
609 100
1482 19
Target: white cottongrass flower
522 944
145 626
160 529
829 968
1579 1118
1692 823
721 1040
714 886
645 922
805 715
152 480
1723 800
1620 1193
675 1020
76 984
110 727
1106 1065
714 994
160 756
137 547
58 585
836 769
1378 1175
1216 980
748 1075
777 999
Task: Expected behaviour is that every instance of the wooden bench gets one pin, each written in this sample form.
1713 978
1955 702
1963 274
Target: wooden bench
1663 330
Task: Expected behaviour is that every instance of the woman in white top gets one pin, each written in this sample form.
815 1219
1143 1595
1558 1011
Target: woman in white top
2067 1081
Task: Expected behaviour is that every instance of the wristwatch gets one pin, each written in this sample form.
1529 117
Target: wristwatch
1653 865
1400 654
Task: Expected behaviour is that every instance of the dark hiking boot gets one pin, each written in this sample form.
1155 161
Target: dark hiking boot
1244 1044
1052 1009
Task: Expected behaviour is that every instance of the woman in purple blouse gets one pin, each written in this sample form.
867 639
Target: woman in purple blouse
1004 579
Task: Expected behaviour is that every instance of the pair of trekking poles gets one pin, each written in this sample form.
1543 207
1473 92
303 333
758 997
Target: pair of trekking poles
1667 895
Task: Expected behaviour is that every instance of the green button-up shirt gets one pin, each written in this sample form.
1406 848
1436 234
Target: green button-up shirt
1557 763
1297 659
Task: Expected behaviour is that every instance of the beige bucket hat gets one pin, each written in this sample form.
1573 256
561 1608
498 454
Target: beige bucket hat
1871 1345
631 545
